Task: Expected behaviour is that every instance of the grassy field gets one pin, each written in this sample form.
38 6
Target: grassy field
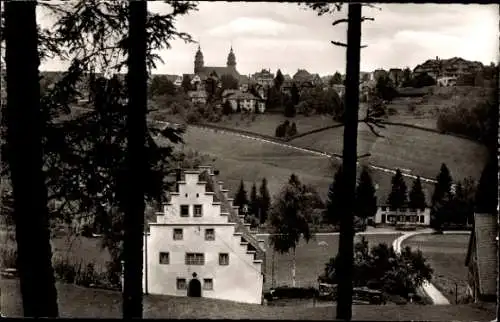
266 123
446 254
75 249
407 148
310 258
78 302
239 158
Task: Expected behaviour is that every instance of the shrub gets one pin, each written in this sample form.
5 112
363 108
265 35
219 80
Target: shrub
285 292
86 231
8 257
392 111
226 108
193 117
292 130
65 271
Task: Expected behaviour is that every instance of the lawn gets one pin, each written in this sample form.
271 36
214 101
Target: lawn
79 302
239 158
266 123
76 249
310 259
446 254
407 148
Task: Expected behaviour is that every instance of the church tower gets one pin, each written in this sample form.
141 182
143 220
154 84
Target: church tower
231 59
198 61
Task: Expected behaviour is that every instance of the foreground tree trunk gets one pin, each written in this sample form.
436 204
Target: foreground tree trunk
346 243
136 126
294 267
25 158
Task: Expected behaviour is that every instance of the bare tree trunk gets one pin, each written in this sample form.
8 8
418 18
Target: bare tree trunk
294 266
346 243
136 126
25 156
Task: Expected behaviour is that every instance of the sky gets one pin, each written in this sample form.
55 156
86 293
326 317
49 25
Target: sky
288 36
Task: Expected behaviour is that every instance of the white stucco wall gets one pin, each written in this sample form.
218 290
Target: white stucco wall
239 281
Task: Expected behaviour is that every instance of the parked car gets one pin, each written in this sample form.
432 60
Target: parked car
327 291
365 295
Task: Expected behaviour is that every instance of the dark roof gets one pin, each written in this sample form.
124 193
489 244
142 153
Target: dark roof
483 241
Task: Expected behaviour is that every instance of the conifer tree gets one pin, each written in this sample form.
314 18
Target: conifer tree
398 195
441 197
417 196
265 201
241 198
443 185
334 199
487 191
254 202
366 200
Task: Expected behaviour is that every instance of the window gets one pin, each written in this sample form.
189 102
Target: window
181 284
177 234
208 284
422 219
210 234
224 259
164 258
198 211
195 259
184 210
197 195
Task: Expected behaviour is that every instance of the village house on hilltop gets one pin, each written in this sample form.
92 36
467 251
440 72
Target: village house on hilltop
200 231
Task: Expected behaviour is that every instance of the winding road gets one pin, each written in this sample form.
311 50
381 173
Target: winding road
434 294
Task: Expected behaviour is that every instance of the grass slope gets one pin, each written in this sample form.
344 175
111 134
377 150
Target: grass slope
78 302
446 254
240 158
266 123
407 148
310 259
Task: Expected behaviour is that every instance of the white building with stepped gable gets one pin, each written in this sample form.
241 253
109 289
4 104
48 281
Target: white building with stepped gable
200 231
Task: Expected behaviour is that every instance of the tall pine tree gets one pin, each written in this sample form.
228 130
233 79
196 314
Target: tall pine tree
441 197
366 200
254 202
241 198
265 201
398 195
443 185
487 191
334 200
417 196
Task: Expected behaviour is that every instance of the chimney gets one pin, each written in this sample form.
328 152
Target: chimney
437 58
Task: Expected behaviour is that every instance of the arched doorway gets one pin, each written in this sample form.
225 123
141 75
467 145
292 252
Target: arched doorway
194 287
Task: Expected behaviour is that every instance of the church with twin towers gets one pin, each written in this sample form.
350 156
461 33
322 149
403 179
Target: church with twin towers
205 71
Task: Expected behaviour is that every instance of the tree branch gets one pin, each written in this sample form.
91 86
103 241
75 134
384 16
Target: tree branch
336 22
341 44
336 43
